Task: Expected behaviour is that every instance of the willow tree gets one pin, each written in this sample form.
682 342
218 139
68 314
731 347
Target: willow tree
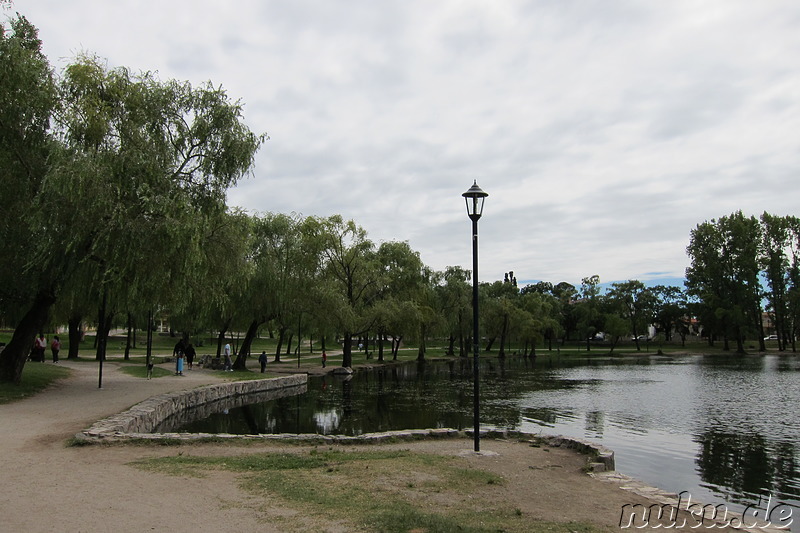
541 318
454 303
28 99
403 278
587 309
135 167
219 277
284 262
498 308
351 276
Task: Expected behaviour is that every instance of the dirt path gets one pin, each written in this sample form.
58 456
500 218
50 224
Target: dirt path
48 486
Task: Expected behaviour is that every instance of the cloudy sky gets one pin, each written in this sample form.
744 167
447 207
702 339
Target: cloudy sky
603 131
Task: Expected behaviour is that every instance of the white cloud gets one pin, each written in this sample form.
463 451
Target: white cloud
603 131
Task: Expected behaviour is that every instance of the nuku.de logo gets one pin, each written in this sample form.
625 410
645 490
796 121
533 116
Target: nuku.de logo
708 516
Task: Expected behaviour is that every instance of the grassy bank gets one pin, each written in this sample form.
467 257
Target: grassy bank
384 490
35 378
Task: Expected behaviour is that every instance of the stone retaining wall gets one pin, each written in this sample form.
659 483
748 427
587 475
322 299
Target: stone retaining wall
602 458
144 418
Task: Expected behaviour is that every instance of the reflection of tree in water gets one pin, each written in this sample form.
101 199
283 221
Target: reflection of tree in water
417 395
742 463
786 465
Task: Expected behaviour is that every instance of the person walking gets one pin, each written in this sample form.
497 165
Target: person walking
324 358
55 347
39 346
263 360
190 353
179 364
228 363
177 353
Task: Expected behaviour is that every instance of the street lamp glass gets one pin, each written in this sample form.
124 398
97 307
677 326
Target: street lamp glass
474 198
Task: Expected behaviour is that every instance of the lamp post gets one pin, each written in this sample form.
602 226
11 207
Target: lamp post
474 198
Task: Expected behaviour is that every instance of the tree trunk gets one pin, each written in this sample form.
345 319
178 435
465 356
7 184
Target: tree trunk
12 358
380 345
103 328
347 350
289 344
740 340
221 338
244 349
102 338
75 335
762 346
490 344
397 346
614 340
421 350
281 336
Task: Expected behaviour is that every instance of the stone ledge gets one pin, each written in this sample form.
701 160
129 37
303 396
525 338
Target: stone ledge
600 456
709 512
144 417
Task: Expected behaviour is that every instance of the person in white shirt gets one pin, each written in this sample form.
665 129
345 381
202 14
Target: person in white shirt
228 363
39 346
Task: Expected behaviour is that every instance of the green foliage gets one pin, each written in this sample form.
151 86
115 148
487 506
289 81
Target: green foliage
724 276
635 303
116 176
27 102
116 184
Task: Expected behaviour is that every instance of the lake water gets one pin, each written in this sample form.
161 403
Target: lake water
723 428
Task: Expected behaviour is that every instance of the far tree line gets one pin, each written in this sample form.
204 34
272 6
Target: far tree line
114 211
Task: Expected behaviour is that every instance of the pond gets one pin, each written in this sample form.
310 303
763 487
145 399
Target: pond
723 428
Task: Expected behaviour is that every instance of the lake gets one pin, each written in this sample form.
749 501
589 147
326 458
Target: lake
723 428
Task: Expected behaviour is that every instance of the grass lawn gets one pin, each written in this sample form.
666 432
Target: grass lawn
35 378
390 491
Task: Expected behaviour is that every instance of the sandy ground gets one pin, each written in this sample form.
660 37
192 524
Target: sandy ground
48 486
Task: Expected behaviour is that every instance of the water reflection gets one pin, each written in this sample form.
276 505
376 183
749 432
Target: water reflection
723 428
741 466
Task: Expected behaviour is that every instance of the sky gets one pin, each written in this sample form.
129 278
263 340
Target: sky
603 131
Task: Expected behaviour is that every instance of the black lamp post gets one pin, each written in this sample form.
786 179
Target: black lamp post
474 198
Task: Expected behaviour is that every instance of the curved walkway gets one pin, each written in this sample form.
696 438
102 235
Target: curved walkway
51 487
